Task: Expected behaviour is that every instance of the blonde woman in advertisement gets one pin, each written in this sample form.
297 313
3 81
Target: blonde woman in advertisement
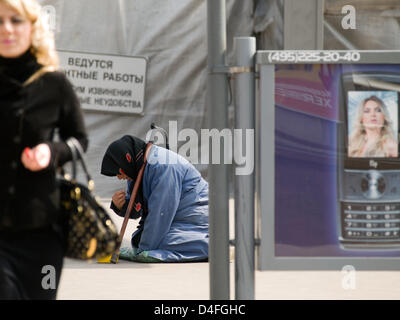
372 134
35 100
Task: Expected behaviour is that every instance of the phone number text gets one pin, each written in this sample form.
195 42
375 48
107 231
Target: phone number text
313 56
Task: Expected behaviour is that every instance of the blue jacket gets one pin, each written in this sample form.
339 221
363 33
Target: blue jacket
176 226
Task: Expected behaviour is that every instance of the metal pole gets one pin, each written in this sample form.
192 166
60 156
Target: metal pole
245 50
123 37
217 100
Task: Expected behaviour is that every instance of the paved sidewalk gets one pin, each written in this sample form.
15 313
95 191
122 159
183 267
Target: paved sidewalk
129 280
133 281
190 281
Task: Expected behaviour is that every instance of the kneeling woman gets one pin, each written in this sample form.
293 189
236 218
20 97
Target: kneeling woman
172 201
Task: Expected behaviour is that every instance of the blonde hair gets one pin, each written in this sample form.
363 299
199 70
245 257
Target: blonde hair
358 139
43 46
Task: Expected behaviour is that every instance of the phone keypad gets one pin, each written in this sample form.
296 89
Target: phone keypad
380 221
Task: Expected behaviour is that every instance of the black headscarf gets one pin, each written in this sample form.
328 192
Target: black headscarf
126 153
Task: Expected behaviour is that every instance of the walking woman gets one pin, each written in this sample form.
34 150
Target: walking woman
35 100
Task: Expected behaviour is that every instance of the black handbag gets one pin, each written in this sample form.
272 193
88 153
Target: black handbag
90 232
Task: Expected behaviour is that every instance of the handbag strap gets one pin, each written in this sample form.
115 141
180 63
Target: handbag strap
77 156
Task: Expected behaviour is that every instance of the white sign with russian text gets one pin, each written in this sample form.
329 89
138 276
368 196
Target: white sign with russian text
106 82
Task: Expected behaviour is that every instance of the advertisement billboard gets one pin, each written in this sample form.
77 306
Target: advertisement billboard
336 164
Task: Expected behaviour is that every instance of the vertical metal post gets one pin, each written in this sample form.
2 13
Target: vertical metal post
265 165
122 36
244 50
218 174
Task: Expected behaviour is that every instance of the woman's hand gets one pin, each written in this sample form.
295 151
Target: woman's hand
118 199
37 158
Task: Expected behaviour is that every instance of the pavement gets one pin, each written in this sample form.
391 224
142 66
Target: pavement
127 280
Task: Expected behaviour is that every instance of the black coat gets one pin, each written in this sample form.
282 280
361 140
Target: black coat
29 116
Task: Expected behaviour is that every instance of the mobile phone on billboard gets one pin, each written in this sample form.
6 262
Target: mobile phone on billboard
369 161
